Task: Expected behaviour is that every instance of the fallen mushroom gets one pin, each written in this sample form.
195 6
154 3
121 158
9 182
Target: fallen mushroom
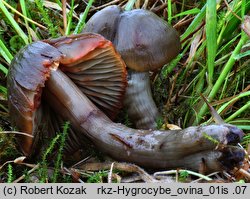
35 79
89 58
146 43
154 149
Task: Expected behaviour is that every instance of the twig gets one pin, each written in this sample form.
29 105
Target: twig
7 162
183 22
73 175
232 10
17 132
123 4
64 15
244 173
199 179
19 161
110 173
120 166
131 179
104 5
81 161
158 8
189 172
145 5
29 172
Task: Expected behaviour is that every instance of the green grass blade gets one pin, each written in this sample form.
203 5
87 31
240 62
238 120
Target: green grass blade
241 55
224 106
228 44
169 11
83 17
243 127
13 22
187 12
5 52
4 70
241 95
233 22
24 11
243 8
238 112
130 5
59 3
70 16
170 67
240 121
227 68
195 23
3 89
211 26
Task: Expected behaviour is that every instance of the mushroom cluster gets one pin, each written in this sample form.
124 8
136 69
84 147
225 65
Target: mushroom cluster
81 78
146 43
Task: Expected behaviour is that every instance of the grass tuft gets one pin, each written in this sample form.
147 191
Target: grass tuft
46 19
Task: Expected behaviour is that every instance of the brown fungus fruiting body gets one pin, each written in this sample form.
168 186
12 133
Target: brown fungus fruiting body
29 70
144 40
89 59
146 43
31 88
186 148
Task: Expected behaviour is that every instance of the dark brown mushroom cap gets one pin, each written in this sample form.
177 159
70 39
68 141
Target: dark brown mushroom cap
89 59
27 75
104 21
144 40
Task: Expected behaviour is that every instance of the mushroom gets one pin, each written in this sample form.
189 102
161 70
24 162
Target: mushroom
146 43
37 83
89 59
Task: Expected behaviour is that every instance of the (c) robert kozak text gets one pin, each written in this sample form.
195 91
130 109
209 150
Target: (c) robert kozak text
52 190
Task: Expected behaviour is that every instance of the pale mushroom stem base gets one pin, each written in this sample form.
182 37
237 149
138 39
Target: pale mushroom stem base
186 148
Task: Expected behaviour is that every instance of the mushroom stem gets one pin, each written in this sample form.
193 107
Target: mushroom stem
139 102
149 148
